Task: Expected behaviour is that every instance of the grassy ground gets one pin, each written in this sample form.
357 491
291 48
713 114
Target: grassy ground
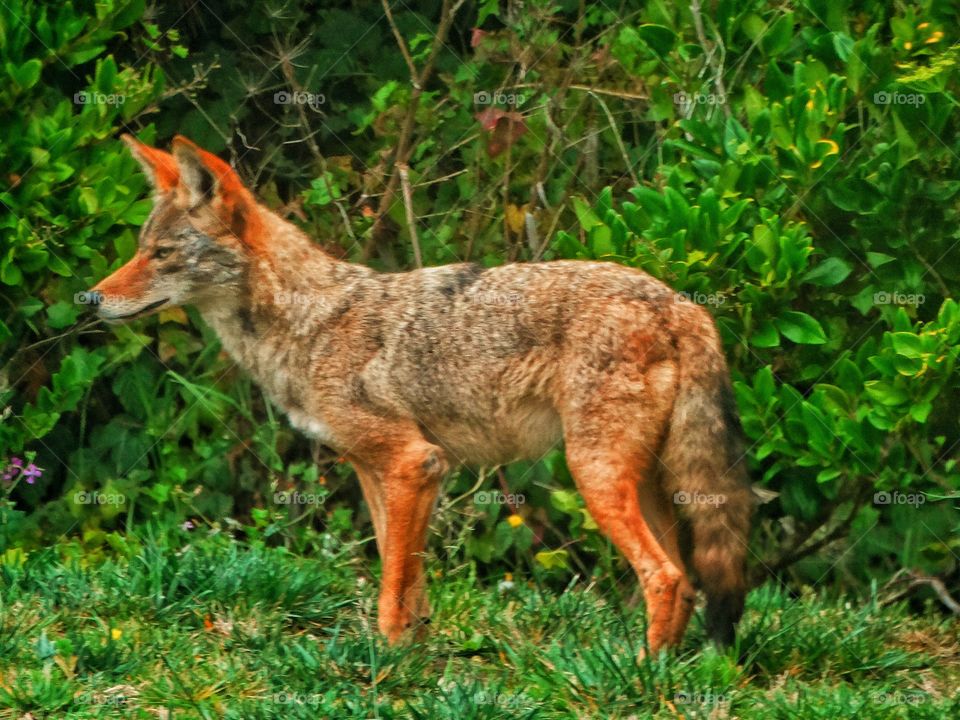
216 629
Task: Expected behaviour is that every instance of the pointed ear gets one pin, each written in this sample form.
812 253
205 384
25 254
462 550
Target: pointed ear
208 180
204 175
159 166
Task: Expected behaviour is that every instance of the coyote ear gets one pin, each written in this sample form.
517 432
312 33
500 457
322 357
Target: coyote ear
159 166
203 174
209 180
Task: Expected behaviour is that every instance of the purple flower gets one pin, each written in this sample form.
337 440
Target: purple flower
187 525
31 473
16 462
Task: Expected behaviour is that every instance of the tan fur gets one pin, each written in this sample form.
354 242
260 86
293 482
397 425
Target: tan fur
410 374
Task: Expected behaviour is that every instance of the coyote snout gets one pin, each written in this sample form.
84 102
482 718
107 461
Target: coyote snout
410 374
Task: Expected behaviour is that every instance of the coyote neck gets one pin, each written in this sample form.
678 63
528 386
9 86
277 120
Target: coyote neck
286 307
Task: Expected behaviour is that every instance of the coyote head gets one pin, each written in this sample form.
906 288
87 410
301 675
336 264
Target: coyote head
196 245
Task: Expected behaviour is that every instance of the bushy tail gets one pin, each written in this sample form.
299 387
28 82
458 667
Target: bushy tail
705 476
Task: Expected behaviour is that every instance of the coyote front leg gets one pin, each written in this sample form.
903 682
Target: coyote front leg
401 484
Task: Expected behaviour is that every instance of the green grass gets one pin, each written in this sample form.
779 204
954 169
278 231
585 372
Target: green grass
218 629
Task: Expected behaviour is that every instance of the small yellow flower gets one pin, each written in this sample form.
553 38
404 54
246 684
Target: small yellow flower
515 521
936 37
923 25
907 45
116 633
508 577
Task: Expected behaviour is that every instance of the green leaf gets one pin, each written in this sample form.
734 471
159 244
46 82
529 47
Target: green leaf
921 411
9 272
57 264
830 272
26 75
763 384
565 500
765 335
766 240
801 328
906 145
106 75
658 38
588 219
907 344
552 559
843 44
778 36
62 314
875 259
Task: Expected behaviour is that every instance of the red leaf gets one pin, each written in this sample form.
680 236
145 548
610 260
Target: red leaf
503 128
477 36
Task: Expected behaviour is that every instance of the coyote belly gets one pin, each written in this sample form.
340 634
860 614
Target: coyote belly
410 374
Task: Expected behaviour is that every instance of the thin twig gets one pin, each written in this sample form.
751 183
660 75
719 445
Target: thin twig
916 579
710 50
407 58
404 169
616 135
622 94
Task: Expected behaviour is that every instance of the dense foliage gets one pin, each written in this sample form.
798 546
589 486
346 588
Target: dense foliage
793 167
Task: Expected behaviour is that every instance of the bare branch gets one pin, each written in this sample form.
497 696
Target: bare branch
404 169
711 51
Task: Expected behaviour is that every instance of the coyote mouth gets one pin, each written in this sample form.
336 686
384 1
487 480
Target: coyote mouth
137 313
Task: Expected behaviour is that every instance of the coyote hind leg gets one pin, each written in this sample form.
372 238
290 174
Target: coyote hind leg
612 485
612 443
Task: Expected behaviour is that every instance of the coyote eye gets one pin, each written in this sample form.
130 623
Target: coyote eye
161 253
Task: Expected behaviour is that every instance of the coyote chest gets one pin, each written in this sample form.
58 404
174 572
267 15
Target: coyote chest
312 426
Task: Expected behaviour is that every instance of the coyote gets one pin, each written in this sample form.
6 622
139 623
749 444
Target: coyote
409 374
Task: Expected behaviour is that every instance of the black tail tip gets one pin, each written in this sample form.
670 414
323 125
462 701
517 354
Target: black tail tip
723 613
